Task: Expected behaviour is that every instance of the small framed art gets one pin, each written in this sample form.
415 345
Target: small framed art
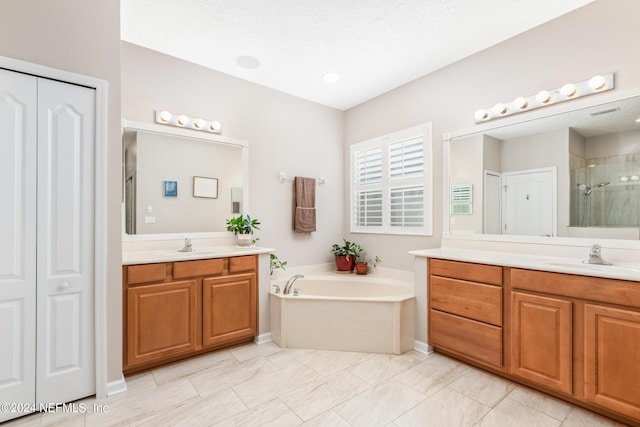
171 189
205 187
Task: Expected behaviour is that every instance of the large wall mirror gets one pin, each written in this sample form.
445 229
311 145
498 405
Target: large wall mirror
574 173
180 181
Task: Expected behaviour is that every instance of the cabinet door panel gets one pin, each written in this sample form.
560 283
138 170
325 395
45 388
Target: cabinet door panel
541 340
613 358
161 321
228 308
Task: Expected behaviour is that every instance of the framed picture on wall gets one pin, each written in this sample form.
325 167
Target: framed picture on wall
171 189
205 187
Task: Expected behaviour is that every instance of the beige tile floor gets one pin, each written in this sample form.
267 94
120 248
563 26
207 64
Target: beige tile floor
265 385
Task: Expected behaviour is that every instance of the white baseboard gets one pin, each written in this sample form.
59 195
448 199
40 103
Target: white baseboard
262 338
422 347
117 386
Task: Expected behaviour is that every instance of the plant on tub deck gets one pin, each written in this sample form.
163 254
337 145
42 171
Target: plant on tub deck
362 263
243 226
345 255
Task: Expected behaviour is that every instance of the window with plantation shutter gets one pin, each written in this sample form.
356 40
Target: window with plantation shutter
391 183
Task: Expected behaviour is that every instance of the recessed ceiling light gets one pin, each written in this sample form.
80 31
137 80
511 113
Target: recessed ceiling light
638 120
330 77
248 62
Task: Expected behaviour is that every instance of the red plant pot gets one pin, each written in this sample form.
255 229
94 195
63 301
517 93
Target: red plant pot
362 268
345 264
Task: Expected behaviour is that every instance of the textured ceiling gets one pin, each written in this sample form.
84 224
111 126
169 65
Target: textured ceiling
374 45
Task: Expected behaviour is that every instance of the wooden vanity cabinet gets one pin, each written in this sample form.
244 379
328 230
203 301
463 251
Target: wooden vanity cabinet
465 310
576 337
177 309
579 335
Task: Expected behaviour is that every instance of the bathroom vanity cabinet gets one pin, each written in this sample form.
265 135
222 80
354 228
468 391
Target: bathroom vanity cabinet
177 309
576 337
465 310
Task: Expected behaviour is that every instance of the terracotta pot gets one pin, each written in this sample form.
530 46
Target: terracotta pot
362 268
345 264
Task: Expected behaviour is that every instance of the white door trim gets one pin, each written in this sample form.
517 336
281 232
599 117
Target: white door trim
101 88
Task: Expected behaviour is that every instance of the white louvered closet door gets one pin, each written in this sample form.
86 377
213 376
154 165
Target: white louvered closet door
46 242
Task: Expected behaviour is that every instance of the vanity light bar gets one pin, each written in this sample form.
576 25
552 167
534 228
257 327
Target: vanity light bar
543 98
182 121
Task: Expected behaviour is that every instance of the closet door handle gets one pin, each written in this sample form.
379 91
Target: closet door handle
62 286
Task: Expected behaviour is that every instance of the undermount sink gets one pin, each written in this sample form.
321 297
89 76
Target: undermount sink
597 267
195 252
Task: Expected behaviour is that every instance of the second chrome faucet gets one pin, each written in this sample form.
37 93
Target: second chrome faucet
595 256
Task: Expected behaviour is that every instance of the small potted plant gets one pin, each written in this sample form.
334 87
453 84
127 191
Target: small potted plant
276 263
243 226
345 255
362 264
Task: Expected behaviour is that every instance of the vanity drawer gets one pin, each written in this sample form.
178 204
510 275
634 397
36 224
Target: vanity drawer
242 264
146 273
613 291
466 271
468 299
203 267
468 338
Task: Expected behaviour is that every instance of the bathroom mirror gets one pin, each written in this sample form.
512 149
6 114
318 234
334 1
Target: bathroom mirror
574 173
180 181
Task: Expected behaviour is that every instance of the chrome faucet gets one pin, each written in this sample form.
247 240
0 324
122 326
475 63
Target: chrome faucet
188 247
292 279
595 257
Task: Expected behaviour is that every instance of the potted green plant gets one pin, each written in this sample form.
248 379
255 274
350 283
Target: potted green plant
362 263
345 255
276 263
243 226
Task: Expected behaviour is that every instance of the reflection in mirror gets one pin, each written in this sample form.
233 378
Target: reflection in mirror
178 183
575 174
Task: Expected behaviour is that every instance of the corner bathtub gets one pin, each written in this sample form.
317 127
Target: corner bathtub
348 313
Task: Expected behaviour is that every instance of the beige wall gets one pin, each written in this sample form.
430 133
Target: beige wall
298 137
82 37
595 39
285 134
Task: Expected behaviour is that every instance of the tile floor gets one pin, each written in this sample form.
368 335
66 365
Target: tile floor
253 385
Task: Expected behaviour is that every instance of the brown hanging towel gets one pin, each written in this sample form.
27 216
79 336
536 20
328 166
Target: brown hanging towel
304 217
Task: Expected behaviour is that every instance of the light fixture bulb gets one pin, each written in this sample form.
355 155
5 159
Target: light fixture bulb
480 115
543 97
215 126
331 77
597 83
624 178
568 90
500 108
199 123
165 116
521 103
183 120
635 177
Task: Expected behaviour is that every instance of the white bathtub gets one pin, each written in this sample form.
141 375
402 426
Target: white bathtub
344 312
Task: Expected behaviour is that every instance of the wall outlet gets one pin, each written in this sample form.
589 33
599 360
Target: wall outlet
149 219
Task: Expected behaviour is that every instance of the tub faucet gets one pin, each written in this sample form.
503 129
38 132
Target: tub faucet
188 247
595 256
292 279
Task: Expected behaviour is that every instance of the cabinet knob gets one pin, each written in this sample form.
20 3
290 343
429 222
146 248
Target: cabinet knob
62 286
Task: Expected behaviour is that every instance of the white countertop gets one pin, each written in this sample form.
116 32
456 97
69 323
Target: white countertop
623 271
169 255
